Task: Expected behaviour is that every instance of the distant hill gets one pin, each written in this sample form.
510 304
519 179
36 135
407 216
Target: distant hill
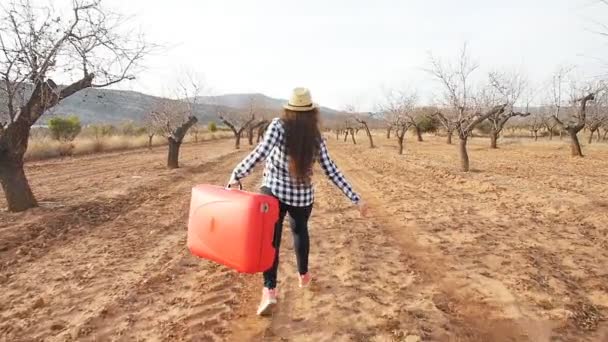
95 105
243 101
116 106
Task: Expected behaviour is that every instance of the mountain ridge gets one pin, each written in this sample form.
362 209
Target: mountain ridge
112 106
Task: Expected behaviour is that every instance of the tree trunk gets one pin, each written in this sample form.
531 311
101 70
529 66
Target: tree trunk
591 137
13 144
352 135
173 158
337 134
250 135
464 155
261 131
400 137
400 141
493 139
535 135
175 141
575 145
16 188
418 133
561 133
605 135
369 135
550 133
388 132
599 136
449 139
345 134
237 140
150 141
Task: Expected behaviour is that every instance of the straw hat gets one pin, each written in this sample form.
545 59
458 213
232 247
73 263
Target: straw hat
300 101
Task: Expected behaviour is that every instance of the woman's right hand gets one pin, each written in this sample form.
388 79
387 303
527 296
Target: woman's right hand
363 208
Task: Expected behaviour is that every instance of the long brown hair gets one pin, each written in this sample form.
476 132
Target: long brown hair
301 141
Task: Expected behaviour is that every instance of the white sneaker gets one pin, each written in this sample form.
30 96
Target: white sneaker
269 300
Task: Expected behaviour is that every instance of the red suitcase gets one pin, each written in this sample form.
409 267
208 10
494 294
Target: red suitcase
232 227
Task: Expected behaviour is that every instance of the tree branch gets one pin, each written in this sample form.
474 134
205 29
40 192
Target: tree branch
559 123
83 83
480 117
229 124
180 132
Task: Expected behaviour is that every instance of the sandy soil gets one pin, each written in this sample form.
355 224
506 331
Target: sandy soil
514 251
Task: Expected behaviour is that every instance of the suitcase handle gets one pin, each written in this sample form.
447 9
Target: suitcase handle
240 186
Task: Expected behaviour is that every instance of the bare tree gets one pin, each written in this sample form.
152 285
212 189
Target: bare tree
151 129
447 120
456 81
257 110
575 122
594 124
237 120
598 116
262 126
389 129
349 128
352 112
559 80
509 86
334 125
195 131
37 43
175 117
549 124
364 123
414 117
397 109
535 124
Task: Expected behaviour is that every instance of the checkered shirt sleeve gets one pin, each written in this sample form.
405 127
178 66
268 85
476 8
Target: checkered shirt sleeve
333 173
261 152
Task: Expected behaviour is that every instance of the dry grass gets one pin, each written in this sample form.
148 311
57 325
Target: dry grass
45 148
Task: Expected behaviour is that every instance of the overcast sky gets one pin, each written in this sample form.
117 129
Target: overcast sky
346 51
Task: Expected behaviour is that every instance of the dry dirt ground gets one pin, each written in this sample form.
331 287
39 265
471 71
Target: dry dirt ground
516 250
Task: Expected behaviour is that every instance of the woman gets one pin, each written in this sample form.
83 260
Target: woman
290 147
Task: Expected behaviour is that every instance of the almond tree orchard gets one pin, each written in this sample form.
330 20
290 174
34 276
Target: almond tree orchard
89 45
456 80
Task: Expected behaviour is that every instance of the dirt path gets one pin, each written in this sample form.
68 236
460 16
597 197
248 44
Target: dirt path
517 254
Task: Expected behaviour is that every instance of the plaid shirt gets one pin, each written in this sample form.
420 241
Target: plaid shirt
276 171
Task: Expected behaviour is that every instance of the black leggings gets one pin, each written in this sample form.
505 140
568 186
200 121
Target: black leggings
298 220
